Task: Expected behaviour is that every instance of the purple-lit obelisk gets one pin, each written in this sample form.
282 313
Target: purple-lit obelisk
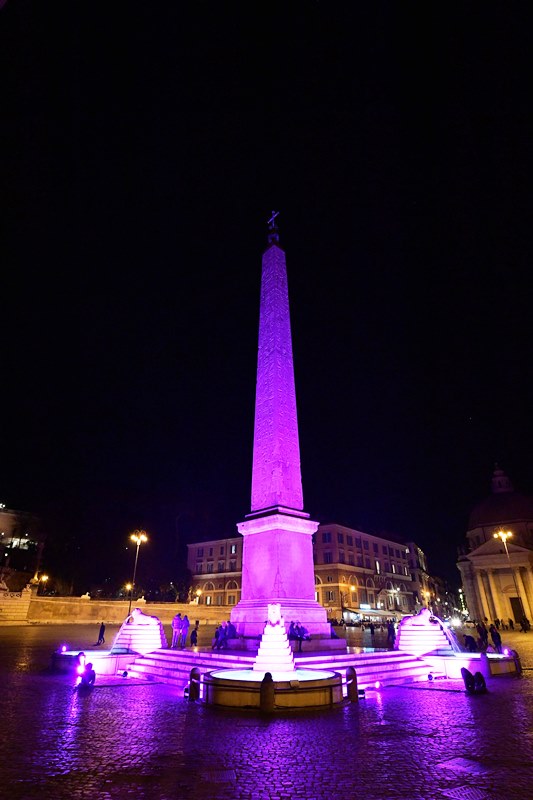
277 548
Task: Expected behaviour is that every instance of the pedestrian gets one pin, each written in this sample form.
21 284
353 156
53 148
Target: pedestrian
182 639
231 630
511 624
301 634
194 634
496 638
470 643
372 629
101 633
222 636
391 633
176 630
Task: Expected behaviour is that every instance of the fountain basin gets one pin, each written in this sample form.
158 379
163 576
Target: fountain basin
303 688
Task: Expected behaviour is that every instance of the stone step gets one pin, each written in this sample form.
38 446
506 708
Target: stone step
389 667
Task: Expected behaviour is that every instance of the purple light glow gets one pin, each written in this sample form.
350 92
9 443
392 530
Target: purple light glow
377 685
276 478
64 648
506 651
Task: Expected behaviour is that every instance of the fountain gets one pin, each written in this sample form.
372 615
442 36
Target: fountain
293 688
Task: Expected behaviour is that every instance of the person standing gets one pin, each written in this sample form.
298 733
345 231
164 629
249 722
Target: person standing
176 630
182 638
194 634
101 633
496 638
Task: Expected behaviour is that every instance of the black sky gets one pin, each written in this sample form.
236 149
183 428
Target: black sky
144 147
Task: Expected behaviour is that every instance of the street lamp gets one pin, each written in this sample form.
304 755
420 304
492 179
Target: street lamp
504 535
138 537
427 595
43 580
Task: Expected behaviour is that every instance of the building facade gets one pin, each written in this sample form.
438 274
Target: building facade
21 546
497 571
357 575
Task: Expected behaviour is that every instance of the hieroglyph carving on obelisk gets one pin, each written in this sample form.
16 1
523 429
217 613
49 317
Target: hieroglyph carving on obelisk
276 477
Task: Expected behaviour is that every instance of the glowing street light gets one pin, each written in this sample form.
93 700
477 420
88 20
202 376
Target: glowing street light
139 537
504 535
43 579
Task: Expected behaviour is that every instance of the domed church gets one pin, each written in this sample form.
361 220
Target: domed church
497 567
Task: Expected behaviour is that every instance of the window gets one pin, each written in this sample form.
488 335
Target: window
209 566
233 549
359 561
391 551
393 568
221 551
365 544
349 540
219 599
211 552
397 553
329 579
384 550
208 600
328 558
378 566
199 568
200 552
340 538
351 559
221 566
231 599
375 548
330 596
406 570
232 566
358 543
342 558
387 566
326 537
367 562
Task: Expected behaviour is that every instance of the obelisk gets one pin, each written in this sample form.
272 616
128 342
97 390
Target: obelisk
277 548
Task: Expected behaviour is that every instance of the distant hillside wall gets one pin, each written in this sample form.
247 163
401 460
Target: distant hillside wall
28 607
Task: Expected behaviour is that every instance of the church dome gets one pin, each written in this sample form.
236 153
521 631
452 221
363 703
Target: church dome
503 506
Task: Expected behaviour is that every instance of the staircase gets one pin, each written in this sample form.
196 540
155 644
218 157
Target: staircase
390 668
419 638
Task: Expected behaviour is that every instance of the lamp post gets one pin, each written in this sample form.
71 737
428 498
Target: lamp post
138 537
504 535
43 579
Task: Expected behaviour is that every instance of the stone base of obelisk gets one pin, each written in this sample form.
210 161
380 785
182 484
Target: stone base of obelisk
249 616
277 567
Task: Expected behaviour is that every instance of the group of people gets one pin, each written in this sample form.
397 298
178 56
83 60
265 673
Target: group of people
297 632
180 629
482 644
225 631
525 624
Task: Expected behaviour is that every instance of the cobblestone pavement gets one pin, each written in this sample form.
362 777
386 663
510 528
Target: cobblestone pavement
422 742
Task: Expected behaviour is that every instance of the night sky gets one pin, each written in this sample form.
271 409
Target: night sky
145 146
